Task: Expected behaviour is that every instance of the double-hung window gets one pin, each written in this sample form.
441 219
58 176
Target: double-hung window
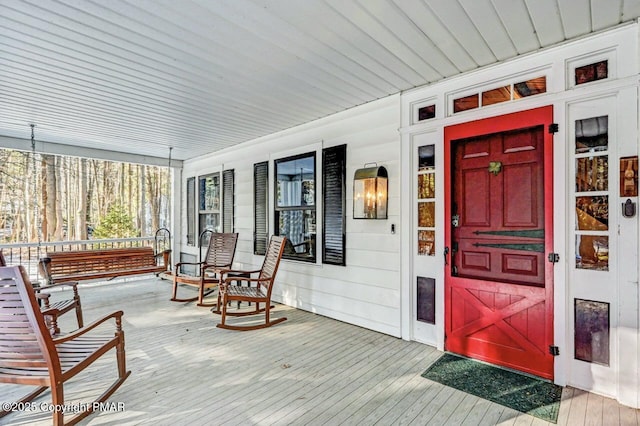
209 203
295 205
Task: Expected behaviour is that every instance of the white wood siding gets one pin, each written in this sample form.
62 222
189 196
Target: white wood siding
366 291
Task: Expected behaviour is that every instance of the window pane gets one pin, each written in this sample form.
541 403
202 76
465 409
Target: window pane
495 96
426 112
592 72
426 214
465 103
210 192
426 300
531 87
592 252
296 182
592 331
299 226
426 243
427 185
426 157
191 211
592 134
592 174
592 213
210 221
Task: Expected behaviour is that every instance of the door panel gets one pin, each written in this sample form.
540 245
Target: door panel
498 285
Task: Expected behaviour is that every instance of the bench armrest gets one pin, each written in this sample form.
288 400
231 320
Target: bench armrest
165 257
117 315
44 265
72 284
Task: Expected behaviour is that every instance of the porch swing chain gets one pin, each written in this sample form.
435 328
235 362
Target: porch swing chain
168 186
35 192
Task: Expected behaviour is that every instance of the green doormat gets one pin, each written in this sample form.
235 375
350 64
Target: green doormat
522 393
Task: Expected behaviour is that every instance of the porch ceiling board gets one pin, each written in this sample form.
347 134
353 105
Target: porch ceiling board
141 76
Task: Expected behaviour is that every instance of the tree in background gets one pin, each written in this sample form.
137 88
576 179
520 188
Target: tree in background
73 194
116 224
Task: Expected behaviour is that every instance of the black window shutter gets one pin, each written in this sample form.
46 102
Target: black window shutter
191 211
227 200
334 205
260 218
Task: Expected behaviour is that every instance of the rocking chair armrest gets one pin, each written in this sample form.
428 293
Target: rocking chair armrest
242 272
43 296
117 315
229 280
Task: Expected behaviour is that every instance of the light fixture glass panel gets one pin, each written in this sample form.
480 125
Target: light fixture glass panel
370 187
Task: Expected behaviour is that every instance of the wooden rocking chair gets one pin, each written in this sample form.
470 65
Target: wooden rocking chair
29 355
259 294
218 260
52 310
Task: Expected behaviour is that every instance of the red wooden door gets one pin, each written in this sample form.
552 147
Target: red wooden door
498 282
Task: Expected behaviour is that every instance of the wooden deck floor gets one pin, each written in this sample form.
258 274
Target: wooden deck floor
307 370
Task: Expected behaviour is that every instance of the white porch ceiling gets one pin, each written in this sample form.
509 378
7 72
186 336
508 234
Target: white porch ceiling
140 76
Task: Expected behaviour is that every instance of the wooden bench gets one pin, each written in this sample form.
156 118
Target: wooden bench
80 265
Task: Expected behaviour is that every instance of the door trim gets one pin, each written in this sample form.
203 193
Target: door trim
498 124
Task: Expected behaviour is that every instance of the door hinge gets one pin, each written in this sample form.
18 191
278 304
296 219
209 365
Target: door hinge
553 128
554 257
554 350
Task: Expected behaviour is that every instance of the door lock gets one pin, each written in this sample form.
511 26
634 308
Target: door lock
455 220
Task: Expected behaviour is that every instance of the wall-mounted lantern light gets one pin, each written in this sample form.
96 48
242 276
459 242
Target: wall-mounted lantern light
370 193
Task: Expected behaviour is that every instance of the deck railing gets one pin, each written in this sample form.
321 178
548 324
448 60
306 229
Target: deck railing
28 254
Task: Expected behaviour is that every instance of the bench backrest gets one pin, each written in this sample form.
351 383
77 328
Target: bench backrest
69 262
26 346
222 248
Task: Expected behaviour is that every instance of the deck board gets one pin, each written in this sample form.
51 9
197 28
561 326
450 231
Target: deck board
309 370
